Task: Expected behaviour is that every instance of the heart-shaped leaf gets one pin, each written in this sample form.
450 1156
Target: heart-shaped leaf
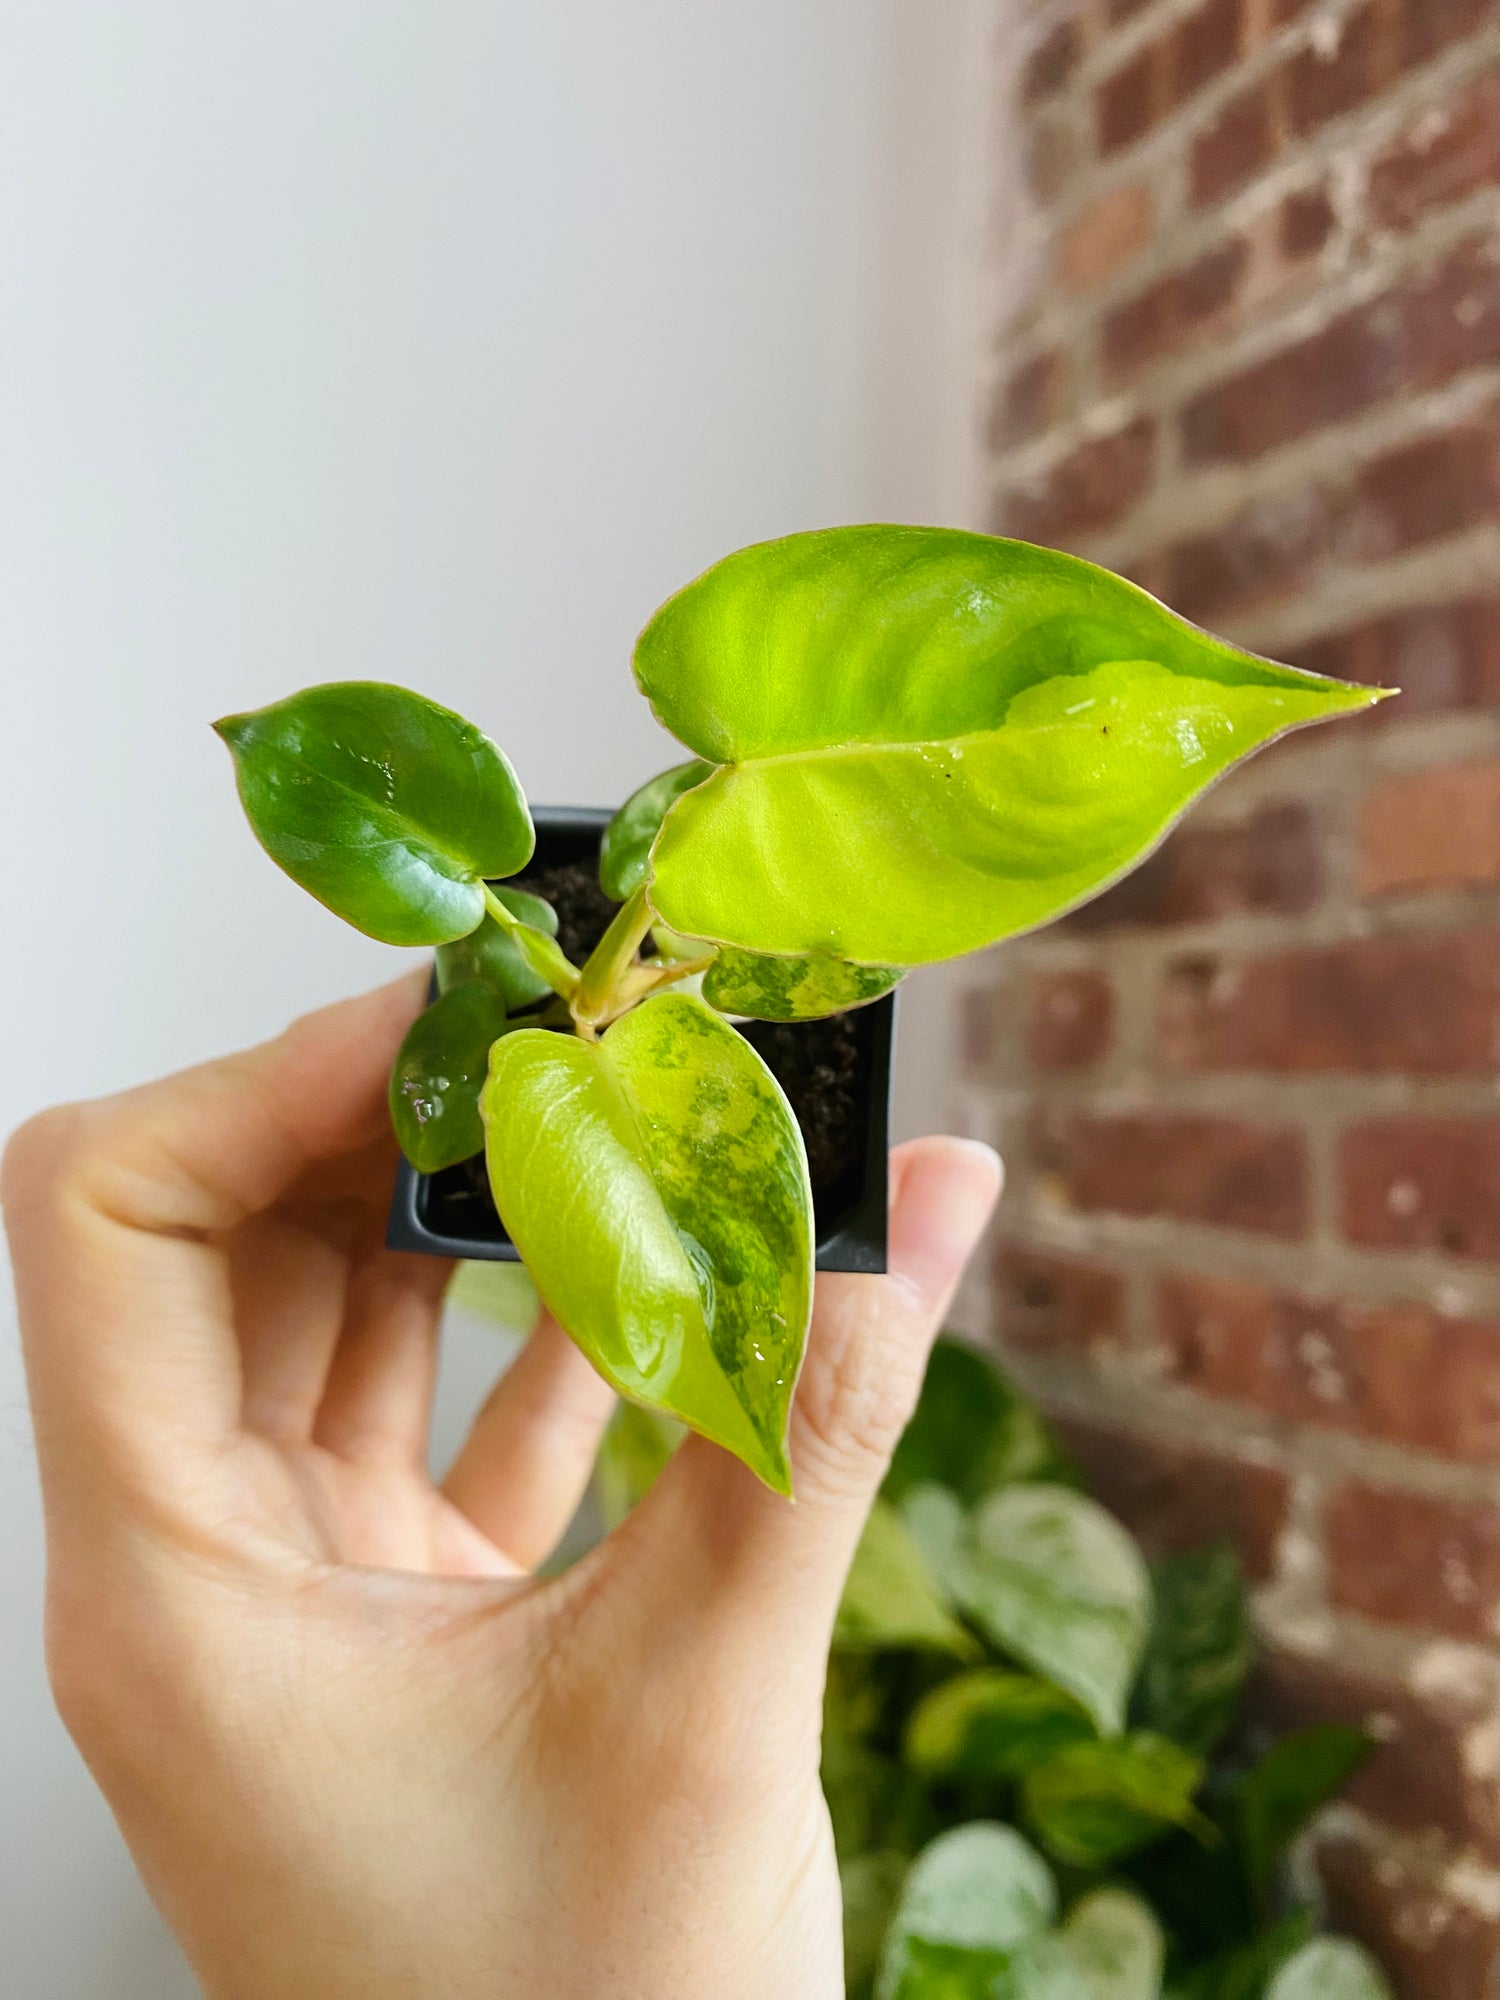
1291 1783
980 1889
628 837
492 953
1330 1969
1058 1584
1095 1803
656 1187
1115 1945
990 1725
972 1432
892 1598
439 1073
386 807
1200 1648
793 989
930 740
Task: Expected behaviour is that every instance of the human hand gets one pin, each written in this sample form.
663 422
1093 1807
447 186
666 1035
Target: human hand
355 1749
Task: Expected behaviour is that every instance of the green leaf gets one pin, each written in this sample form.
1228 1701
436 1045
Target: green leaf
492 953
930 739
871 1886
991 1725
1095 1803
628 837
656 1186
387 808
1330 1969
503 1293
634 1448
438 1074
1115 1945
793 989
1199 1651
1243 1972
1290 1784
1058 1584
980 1888
891 1596
972 1432
953 1972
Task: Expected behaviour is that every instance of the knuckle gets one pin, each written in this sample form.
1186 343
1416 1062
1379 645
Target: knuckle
857 1394
39 1156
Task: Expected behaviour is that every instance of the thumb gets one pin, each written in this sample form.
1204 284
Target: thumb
764 1577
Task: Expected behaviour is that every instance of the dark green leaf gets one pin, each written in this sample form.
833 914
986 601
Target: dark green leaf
1244 1972
953 1972
931 739
387 808
972 1432
980 1888
1290 1784
656 1186
1330 1969
1095 1803
491 953
792 989
892 1597
439 1073
991 1725
628 837
1200 1648
871 1886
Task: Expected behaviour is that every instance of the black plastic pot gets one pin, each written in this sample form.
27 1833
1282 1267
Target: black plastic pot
451 1214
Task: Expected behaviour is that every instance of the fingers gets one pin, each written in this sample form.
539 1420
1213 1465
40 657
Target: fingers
765 1575
377 1403
526 1462
117 1212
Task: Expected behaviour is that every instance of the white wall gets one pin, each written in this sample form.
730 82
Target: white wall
428 342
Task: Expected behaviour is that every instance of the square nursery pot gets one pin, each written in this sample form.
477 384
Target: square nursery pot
836 1073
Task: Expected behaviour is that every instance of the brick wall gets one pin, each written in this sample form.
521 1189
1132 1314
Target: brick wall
1250 1251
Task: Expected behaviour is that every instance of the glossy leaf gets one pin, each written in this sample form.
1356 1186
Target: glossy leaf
656 1186
492 953
971 1431
1330 1969
980 1888
990 1725
628 837
1095 1803
1059 1585
793 989
1200 1648
1289 1785
386 807
1115 1945
438 1075
892 1597
930 740
503 1293
632 1452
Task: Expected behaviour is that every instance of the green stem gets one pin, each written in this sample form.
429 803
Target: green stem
543 954
610 959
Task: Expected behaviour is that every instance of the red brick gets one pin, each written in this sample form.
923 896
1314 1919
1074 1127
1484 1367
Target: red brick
1422 1183
1445 155
1431 830
1430 26
1418 1776
1267 863
1070 1019
1283 11
1401 1374
1052 63
1091 488
1125 10
1267 551
1423 1004
1424 491
1238 145
1410 1559
1176 1497
1128 105
1441 656
1050 1304
1218 1171
1175 310
1305 223
1432 1946
1205 44
1165 74
1052 156
1114 228
1031 400
1324 82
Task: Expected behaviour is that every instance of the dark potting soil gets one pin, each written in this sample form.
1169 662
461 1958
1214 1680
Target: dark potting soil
819 1064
